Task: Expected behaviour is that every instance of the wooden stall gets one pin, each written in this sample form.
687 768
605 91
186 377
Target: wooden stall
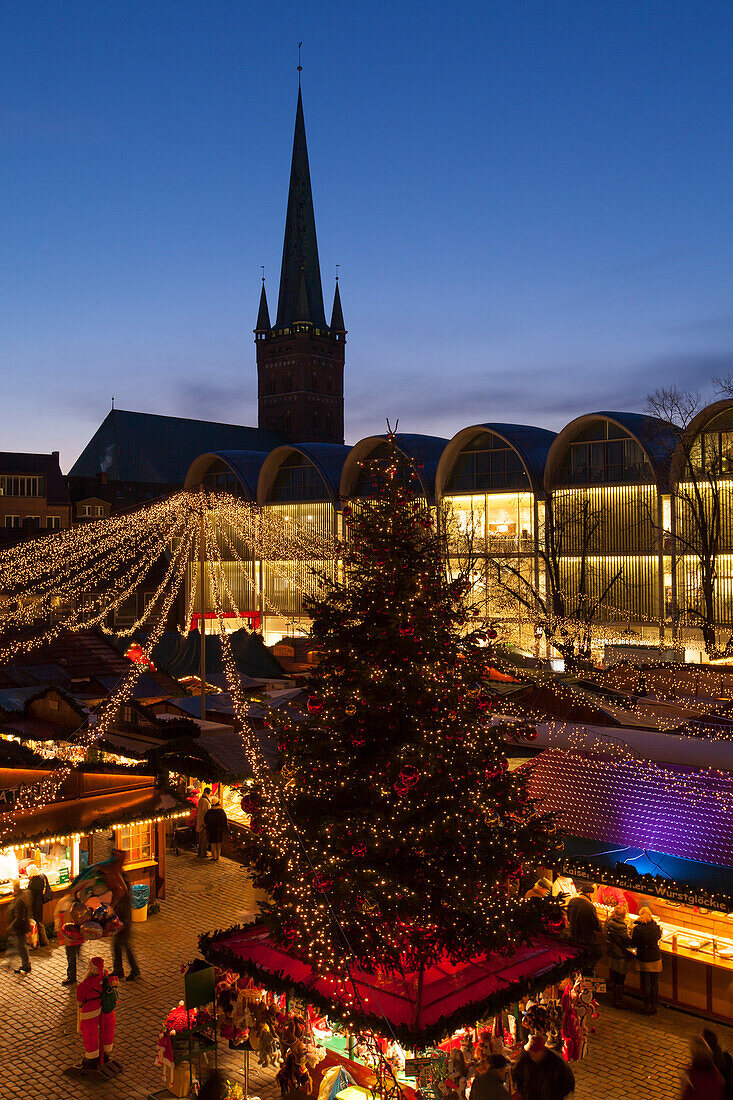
90 813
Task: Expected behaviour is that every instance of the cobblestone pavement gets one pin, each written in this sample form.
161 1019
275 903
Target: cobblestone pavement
630 1054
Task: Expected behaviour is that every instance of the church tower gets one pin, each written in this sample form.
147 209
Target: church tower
300 359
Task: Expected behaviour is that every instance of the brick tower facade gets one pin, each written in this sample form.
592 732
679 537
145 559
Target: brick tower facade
300 359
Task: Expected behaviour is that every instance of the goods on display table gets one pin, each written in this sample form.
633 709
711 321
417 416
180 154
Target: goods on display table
319 1055
52 859
696 943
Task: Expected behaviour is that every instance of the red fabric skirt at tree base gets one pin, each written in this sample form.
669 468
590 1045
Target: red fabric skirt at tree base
450 996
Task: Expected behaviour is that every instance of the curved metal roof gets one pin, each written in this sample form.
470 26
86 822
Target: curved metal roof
421 449
530 443
703 422
245 465
327 458
657 439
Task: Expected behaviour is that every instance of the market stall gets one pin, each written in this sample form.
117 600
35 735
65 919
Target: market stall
652 835
91 812
384 1030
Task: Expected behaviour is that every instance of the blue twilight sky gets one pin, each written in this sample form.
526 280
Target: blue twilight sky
530 203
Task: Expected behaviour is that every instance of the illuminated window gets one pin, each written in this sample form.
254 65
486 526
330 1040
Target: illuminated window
603 454
12 521
137 841
487 463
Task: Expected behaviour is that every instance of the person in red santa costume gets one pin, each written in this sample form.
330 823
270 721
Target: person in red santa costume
96 1026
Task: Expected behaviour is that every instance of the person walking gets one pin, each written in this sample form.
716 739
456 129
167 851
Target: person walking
123 911
700 1079
618 945
201 811
540 1074
721 1060
39 889
645 938
216 825
18 927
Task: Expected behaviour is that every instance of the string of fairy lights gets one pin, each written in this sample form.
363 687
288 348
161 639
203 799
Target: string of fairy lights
92 570
95 568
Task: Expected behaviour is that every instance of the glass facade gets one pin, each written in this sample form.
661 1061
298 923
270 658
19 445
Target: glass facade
619 542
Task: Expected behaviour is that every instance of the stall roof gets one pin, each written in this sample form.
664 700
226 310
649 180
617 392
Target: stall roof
637 803
180 655
84 815
451 996
218 754
656 865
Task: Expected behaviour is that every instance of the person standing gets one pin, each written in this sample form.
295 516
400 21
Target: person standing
123 911
201 811
582 917
541 889
18 927
96 1019
490 1082
645 938
39 889
216 825
540 1074
700 1079
618 944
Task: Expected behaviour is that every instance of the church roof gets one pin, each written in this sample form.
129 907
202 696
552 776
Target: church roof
133 446
301 295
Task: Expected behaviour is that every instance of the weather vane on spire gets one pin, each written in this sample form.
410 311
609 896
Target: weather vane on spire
300 67
263 273
337 272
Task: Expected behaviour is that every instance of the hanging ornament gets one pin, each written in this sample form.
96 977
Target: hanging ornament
405 631
249 803
483 701
350 710
315 705
409 775
322 883
359 850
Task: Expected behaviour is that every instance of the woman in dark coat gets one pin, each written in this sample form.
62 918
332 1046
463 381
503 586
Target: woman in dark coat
40 891
618 943
216 824
645 938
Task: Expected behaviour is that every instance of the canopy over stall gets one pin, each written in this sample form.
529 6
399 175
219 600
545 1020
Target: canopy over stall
668 809
417 1008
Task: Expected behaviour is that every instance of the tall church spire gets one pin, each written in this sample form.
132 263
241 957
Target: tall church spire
300 249
300 359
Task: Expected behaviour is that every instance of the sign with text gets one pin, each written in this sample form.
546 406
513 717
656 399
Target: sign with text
667 889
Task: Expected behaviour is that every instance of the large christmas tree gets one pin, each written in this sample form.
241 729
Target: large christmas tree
403 829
